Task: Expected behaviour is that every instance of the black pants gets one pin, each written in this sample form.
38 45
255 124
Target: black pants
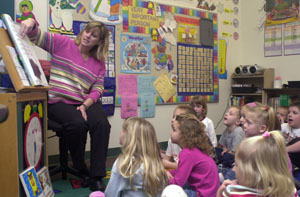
75 131
227 159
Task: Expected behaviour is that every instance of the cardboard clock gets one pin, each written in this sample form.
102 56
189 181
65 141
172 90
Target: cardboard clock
33 141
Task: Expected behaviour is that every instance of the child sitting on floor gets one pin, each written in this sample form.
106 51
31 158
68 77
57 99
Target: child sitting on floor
257 172
231 137
138 170
200 107
170 157
197 172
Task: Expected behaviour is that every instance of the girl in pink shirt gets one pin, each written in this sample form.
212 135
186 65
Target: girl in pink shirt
197 172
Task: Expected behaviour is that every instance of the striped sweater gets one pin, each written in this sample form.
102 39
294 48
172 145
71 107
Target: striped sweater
72 80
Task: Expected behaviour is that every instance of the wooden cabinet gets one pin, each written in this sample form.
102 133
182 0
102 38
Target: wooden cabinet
251 86
21 107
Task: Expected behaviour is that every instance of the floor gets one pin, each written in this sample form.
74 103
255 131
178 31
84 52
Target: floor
63 188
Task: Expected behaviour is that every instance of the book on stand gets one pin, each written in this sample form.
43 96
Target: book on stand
44 178
30 182
26 53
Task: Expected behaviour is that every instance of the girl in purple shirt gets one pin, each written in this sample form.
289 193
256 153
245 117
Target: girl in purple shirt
195 166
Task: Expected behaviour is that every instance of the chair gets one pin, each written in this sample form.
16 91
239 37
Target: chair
63 152
58 129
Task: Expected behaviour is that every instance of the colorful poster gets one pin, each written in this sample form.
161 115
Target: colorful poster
129 106
147 109
135 54
281 11
127 84
164 87
145 84
273 40
222 59
292 38
195 69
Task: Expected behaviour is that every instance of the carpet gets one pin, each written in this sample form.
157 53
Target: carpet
69 187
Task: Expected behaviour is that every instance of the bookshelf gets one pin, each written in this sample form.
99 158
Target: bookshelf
271 96
259 82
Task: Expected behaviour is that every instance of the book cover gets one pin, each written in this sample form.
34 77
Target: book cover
44 178
27 55
30 182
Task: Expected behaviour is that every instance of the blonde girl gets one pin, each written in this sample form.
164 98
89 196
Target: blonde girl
195 167
258 119
138 171
257 172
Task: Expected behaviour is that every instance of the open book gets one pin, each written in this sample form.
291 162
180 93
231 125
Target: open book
26 54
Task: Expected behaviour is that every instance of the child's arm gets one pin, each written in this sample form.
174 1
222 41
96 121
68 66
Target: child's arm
294 148
223 187
168 163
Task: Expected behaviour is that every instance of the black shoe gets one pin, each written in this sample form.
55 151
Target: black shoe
85 176
97 184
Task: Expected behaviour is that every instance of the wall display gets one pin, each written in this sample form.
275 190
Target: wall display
195 70
273 40
135 54
161 24
280 12
291 38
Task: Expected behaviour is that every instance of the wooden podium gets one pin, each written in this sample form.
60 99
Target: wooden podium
12 138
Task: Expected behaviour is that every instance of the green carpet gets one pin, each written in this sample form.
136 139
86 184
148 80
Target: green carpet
66 190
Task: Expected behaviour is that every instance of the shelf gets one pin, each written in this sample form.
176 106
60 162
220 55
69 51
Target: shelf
279 91
234 76
246 94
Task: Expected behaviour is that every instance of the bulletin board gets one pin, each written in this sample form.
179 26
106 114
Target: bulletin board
195 65
190 50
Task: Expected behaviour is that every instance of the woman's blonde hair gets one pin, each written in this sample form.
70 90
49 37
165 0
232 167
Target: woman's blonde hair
199 100
139 147
99 51
193 134
262 163
264 115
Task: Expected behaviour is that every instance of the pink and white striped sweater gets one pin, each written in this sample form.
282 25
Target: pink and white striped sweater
72 79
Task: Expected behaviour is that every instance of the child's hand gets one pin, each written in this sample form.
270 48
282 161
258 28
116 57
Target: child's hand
170 176
225 150
224 185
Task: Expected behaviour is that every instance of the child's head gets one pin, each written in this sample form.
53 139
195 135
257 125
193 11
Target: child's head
140 146
199 105
261 163
188 132
244 109
232 116
294 115
259 119
282 113
183 109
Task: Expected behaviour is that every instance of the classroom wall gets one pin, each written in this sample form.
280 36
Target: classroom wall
164 113
252 50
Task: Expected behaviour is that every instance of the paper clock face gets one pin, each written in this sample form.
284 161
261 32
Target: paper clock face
33 141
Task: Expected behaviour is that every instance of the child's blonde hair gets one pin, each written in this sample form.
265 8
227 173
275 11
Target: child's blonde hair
199 100
262 164
264 115
139 147
193 134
